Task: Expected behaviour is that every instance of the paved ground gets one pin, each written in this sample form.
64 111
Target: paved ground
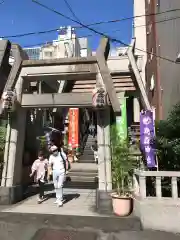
147 235
77 202
29 233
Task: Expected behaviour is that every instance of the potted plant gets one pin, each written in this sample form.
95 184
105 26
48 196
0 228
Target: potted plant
123 164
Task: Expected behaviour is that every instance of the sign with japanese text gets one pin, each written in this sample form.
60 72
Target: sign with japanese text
99 98
73 128
146 135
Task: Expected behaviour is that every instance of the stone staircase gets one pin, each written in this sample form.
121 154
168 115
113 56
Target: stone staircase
82 176
135 138
88 155
135 128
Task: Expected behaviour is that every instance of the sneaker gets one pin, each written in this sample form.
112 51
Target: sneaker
56 201
60 203
40 200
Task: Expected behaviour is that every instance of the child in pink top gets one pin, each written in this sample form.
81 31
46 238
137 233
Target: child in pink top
40 166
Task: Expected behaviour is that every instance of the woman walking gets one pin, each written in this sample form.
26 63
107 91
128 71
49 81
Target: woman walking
58 162
40 167
94 148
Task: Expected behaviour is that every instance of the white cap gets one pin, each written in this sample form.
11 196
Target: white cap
53 148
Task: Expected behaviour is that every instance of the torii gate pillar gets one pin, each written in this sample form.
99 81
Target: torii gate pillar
104 201
11 184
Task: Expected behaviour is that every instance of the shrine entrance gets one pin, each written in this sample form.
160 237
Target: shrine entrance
68 129
83 83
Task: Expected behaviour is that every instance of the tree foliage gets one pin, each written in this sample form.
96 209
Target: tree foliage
168 141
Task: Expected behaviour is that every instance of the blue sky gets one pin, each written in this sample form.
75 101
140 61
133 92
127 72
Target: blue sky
21 16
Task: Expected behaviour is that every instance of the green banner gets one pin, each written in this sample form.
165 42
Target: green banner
121 121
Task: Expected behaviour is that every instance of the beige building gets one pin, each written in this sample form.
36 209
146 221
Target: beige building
157 34
67 45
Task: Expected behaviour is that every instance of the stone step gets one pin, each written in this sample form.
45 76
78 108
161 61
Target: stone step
83 174
89 151
80 185
88 146
42 221
81 182
86 161
82 179
83 167
33 189
87 156
90 140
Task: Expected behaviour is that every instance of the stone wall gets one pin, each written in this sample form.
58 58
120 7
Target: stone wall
157 212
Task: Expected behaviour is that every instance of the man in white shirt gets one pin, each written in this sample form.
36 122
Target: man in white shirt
58 161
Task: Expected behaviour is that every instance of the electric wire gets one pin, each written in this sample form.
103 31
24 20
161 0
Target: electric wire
92 35
71 10
121 19
100 33
76 27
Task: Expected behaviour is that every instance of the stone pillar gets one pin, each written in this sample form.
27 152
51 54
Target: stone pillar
11 189
136 109
16 149
104 202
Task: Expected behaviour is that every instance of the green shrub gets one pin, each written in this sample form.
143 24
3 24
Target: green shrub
123 164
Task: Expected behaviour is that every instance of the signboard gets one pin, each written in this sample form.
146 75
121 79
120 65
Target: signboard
73 128
121 121
99 98
146 135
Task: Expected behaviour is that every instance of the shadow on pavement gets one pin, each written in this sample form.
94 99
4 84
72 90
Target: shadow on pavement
67 197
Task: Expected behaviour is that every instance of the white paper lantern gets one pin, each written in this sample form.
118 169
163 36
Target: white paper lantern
8 100
99 99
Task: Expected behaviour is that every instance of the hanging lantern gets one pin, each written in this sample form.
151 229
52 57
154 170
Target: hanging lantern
8 100
99 99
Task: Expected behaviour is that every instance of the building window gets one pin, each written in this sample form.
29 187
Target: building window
65 53
149 28
33 53
48 54
152 83
151 54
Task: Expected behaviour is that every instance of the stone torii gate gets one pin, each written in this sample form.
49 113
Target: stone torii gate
92 71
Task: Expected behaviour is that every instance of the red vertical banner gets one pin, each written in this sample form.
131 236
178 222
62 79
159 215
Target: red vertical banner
73 128
69 129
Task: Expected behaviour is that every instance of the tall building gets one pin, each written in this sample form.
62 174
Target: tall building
84 47
157 34
66 45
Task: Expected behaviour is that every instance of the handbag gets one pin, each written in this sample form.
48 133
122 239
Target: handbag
49 173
